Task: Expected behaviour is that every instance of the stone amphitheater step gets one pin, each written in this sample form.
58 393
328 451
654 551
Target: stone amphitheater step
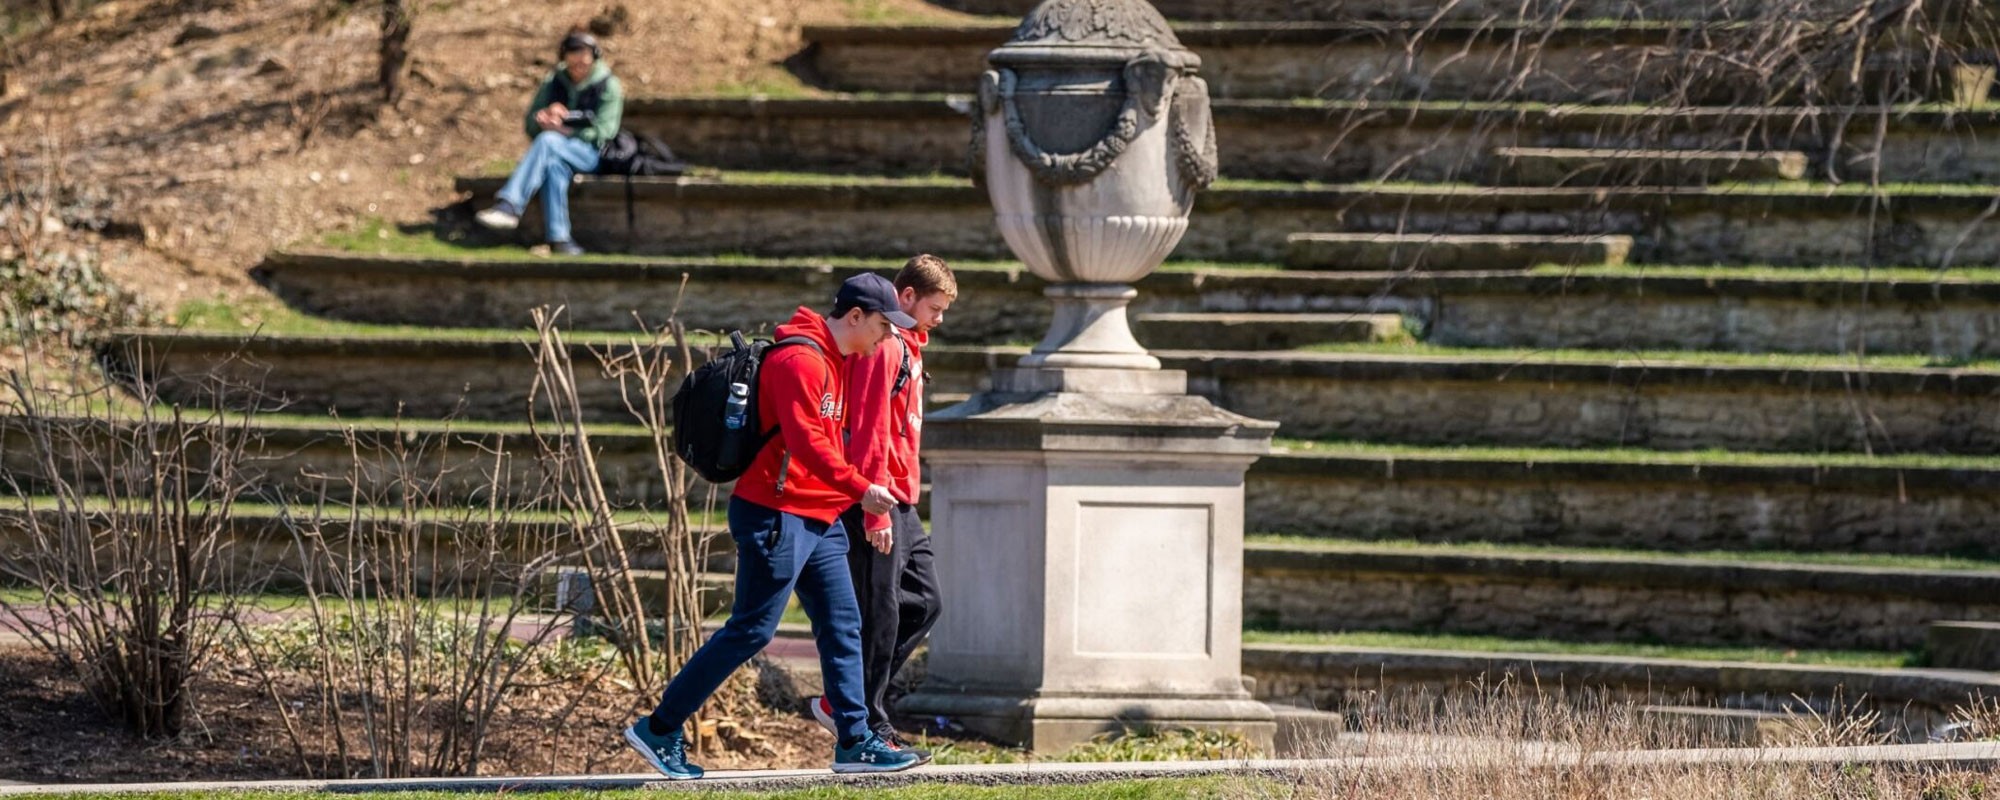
1358 252
1955 644
1629 498
1497 591
1415 395
1240 331
1562 166
1580 61
1336 10
266 537
819 215
1579 498
1915 703
1337 141
349 460
1884 311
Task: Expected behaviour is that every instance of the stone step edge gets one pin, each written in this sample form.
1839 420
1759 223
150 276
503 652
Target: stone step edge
1336 112
1366 283
1967 757
1501 366
1936 687
1666 155
1253 33
840 190
1649 571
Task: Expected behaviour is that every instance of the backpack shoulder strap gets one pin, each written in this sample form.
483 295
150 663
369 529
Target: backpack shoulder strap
902 372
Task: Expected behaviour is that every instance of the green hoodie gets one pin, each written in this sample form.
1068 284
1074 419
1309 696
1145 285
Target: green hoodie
558 88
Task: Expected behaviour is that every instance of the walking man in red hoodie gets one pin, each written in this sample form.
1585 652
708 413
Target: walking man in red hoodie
890 554
784 516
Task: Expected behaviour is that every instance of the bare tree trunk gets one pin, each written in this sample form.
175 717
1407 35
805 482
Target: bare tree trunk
55 10
395 48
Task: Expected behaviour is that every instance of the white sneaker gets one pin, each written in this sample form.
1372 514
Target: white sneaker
499 219
823 711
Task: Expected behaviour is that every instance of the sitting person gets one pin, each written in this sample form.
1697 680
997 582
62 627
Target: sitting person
573 115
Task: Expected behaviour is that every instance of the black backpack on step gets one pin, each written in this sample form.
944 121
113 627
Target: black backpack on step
701 438
631 154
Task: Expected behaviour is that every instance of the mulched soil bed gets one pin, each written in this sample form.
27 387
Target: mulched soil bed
51 731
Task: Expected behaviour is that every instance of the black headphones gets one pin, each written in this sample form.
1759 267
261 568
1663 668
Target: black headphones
580 41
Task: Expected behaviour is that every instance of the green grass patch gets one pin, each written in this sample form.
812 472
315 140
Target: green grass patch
379 237
1660 357
1775 273
764 81
1639 456
1785 557
1198 788
270 318
1496 644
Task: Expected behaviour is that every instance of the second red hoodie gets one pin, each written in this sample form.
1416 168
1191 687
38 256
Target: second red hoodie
803 392
887 430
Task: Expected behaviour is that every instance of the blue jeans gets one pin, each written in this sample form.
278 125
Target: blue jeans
776 552
547 167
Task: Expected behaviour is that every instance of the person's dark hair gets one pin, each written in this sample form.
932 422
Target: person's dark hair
579 40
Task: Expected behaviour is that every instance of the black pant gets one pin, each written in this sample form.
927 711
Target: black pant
899 601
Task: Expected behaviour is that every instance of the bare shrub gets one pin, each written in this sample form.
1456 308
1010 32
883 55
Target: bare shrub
1520 740
646 369
417 623
119 534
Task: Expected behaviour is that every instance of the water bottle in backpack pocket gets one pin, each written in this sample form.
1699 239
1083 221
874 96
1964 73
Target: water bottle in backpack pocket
716 430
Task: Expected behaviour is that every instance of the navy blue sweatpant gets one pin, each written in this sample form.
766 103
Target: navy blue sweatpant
776 552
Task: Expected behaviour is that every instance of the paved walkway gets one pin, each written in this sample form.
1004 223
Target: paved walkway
1984 756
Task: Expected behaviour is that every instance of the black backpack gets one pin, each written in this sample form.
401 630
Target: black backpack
701 439
631 154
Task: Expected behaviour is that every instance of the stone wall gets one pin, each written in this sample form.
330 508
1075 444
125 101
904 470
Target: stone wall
1672 226
1425 400
1581 599
1913 702
1332 142
1595 504
1639 405
1719 321
1416 10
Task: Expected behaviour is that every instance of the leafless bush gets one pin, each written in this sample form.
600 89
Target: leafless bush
119 537
416 625
1520 740
647 369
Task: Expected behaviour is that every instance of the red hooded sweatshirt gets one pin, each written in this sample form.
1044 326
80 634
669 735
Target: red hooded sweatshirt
887 430
802 392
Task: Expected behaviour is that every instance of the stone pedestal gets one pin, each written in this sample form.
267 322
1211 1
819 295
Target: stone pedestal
1088 528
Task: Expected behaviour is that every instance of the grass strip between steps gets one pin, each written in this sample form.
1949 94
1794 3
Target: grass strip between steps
1696 557
1697 358
339 512
1637 456
272 319
1496 644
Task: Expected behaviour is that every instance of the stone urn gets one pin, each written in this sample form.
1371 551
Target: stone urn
1093 135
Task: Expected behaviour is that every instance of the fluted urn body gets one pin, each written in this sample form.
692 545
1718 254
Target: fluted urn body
1093 134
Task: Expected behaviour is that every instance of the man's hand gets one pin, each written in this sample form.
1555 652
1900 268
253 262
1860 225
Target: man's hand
551 118
878 500
883 539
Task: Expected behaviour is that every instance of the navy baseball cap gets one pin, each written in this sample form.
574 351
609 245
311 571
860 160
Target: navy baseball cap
871 292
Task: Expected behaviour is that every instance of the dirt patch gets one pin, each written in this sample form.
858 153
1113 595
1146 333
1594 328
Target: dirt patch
52 732
205 134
